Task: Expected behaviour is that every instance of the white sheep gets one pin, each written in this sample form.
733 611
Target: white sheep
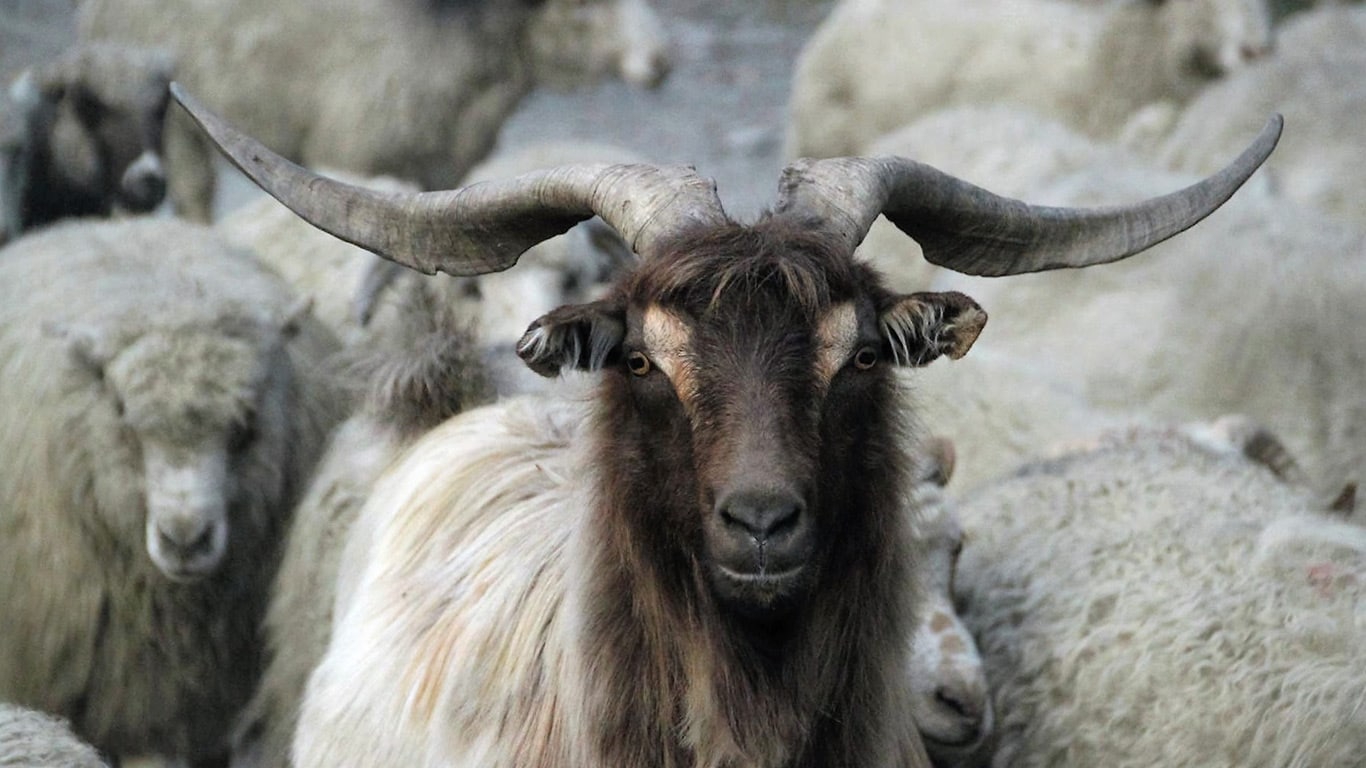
1151 601
1318 80
31 739
950 700
164 405
414 378
1255 311
876 64
407 88
82 136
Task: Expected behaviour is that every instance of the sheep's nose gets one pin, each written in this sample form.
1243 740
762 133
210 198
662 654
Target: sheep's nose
187 537
1253 52
960 702
762 515
143 183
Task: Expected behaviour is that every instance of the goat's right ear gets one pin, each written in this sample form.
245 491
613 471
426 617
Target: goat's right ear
921 327
582 336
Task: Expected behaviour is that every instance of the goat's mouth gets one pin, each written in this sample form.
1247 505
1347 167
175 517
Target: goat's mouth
762 594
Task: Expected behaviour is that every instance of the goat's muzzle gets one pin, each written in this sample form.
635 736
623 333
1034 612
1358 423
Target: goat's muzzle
761 542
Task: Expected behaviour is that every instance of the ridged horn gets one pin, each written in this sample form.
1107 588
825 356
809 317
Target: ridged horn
481 228
968 229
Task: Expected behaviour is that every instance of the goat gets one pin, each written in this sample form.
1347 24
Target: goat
720 579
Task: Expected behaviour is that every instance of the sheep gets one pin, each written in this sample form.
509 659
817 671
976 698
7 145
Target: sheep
403 88
346 282
1317 83
950 702
83 137
1283 349
720 578
415 378
30 739
1150 601
875 64
164 405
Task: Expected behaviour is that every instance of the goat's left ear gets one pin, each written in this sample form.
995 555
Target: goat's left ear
921 327
582 336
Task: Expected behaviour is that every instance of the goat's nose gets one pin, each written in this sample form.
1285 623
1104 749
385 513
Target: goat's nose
762 515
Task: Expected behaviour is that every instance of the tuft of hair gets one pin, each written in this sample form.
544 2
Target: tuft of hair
702 268
424 370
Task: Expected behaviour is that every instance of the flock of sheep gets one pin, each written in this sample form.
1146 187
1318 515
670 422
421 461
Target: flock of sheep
270 500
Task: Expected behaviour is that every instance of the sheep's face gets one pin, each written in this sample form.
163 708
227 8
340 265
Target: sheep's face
197 401
749 414
950 700
575 41
105 113
1214 38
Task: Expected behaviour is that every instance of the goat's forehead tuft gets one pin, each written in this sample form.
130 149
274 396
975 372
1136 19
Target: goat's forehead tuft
773 262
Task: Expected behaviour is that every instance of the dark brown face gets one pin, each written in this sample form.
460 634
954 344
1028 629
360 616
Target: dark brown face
749 417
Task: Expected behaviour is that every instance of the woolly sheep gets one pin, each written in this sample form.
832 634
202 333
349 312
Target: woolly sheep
722 578
404 88
950 702
875 64
164 406
82 137
30 739
1135 605
415 378
1317 82
1271 333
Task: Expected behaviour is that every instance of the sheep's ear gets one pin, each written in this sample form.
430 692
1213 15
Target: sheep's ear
582 336
87 346
1345 503
25 93
938 458
921 327
293 319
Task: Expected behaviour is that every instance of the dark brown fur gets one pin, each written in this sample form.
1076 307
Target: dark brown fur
811 681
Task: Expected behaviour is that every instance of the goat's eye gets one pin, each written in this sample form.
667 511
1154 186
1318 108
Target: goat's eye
865 358
638 363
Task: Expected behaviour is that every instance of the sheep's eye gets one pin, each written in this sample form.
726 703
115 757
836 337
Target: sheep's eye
638 363
242 436
865 358
957 550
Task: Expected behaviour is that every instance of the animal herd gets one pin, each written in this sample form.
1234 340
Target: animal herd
448 455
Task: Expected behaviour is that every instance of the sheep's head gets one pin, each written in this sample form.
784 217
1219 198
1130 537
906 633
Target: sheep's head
950 698
574 41
196 399
101 108
1209 39
745 368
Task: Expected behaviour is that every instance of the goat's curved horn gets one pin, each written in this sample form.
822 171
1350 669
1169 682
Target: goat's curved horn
968 229
481 228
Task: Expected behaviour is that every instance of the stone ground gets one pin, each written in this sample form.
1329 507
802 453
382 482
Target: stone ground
722 109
